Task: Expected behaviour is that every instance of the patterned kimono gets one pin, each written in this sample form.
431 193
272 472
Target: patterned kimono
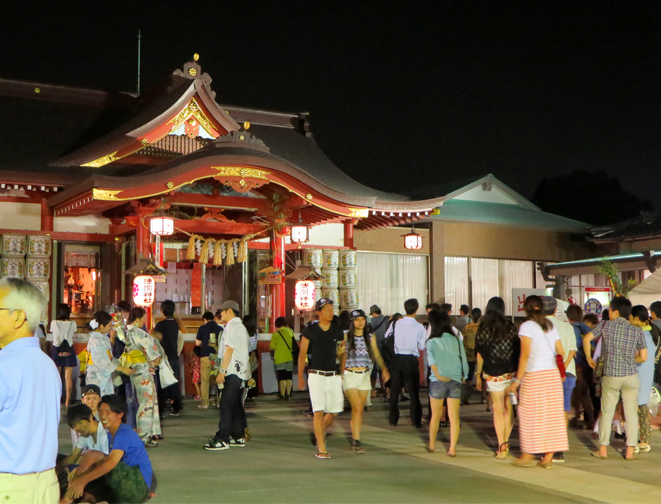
148 422
100 363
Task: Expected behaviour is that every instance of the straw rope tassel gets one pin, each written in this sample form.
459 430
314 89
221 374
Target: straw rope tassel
218 253
190 251
243 251
204 252
230 251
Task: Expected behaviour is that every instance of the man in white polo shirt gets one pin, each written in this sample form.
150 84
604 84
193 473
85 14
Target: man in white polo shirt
324 342
410 339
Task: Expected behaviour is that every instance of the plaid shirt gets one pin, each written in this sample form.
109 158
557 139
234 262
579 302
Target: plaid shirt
620 340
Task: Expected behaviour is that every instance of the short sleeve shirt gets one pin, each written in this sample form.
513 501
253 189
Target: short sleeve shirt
620 341
85 443
236 337
206 333
170 331
322 349
134 450
542 348
281 344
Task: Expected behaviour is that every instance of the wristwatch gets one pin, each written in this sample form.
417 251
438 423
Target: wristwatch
224 371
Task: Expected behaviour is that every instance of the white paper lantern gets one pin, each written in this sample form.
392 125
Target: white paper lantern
304 296
144 290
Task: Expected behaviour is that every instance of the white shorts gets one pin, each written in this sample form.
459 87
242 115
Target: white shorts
498 386
360 381
326 393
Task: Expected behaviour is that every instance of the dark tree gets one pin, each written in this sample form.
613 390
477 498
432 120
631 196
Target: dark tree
592 197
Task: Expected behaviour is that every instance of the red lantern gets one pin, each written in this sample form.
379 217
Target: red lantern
304 296
413 241
144 290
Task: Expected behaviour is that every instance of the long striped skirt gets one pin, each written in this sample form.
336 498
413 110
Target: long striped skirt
542 424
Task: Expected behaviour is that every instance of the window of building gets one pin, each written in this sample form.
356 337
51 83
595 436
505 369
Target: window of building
387 280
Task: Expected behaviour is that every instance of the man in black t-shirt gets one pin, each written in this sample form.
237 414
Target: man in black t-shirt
169 328
323 343
207 341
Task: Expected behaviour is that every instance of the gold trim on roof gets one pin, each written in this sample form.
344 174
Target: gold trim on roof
102 161
358 212
104 195
237 171
192 109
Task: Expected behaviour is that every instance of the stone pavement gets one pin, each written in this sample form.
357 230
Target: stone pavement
278 464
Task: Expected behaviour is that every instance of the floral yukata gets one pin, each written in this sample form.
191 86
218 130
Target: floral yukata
148 422
100 364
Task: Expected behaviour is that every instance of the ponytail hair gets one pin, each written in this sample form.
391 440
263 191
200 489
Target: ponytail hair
101 318
641 313
533 307
136 313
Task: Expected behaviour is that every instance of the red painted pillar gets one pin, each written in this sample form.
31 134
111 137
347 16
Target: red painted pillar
46 216
142 249
348 233
278 292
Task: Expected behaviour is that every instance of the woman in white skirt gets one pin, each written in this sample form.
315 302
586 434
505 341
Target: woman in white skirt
362 352
542 427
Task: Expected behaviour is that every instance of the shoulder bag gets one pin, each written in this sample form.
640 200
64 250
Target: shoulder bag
294 349
558 358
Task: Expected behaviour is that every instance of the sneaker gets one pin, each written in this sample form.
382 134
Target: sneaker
558 458
201 406
237 443
151 444
308 413
175 413
216 445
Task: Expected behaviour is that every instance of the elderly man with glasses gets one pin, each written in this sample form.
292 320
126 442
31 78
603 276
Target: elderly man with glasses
30 391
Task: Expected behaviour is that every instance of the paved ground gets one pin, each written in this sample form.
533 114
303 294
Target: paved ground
278 465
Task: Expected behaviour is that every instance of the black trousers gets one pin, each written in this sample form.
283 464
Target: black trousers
174 391
232 415
405 372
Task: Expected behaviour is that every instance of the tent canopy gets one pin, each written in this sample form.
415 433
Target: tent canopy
647 291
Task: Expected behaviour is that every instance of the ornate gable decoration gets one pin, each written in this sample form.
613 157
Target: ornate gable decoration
192 119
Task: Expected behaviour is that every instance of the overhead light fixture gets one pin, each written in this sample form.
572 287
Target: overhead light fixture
300 232
412 240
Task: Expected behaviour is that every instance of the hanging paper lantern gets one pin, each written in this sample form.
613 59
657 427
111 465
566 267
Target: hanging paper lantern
413 241
161 226
304 296
144 290
300 233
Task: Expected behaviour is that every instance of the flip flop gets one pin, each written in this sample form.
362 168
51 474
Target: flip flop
452 456
429 449
322 455
598 455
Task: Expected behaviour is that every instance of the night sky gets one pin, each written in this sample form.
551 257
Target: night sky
398 97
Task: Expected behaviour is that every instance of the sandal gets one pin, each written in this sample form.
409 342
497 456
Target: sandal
357 446
447 454
502 454
598 455
430 449
322 455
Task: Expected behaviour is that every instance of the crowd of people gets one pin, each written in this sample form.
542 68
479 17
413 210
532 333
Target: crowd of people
594 374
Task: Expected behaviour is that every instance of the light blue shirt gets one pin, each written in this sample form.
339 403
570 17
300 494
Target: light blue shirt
449 356
410 336
30 391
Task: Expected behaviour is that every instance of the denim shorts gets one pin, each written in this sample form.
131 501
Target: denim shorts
441 390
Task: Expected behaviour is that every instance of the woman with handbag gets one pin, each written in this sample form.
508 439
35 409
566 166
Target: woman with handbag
542 428
446 357
282 351
144 357
62 352
100 363
362 352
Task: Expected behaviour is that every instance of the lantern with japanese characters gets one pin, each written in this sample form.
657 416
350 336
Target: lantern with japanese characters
304 295
144 290
161 225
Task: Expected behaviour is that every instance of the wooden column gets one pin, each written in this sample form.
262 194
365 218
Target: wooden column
143 238
46 216
348 233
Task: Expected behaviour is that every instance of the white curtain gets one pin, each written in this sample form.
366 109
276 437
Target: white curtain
514 275
484 281
456 282
387 280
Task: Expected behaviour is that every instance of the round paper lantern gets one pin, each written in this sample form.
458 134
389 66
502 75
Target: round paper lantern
144 290
161 226
304 295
